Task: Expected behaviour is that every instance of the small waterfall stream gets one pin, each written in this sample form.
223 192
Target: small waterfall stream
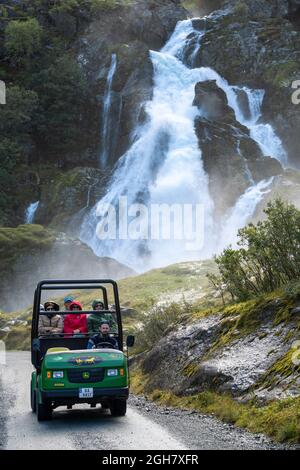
164 164
30 212
107 125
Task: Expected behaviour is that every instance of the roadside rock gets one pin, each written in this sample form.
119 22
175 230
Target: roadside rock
213 354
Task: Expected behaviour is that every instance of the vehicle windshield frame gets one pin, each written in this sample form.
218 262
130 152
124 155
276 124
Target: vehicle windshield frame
49 285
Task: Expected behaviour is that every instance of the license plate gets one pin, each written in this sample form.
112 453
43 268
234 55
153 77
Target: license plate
86 393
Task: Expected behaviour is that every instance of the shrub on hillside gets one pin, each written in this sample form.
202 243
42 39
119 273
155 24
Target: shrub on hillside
268 257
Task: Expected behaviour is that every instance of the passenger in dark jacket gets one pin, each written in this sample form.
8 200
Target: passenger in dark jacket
102 337
95 319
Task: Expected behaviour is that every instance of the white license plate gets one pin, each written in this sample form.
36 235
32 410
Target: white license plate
86 393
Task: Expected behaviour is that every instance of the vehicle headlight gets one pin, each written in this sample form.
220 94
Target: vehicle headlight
58 374
112 372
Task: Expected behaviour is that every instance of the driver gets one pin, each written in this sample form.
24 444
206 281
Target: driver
102 337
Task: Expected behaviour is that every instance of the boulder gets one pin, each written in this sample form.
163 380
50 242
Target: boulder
212 102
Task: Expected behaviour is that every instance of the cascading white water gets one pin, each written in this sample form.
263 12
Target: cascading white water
30 212
106 137
263 133
239 215
164 164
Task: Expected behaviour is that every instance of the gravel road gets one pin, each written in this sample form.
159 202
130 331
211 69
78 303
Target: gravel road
146 425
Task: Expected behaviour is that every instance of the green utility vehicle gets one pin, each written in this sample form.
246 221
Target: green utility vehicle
66 372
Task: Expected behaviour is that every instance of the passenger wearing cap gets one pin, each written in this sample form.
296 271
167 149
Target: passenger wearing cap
103 338
67 301
95 319
75 324
50 323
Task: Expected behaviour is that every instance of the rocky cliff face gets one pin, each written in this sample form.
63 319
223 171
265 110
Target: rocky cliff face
232 159
246 350
258 44
130 33
255 44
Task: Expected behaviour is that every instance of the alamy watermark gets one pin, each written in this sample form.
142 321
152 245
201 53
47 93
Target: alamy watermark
2 92
125 221
296 94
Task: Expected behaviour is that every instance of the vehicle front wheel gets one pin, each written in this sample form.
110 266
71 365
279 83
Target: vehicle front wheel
33 399
118 408
44 412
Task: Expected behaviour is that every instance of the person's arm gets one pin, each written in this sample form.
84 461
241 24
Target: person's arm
60 326
67 327
42 329
90 344
90 324
83 324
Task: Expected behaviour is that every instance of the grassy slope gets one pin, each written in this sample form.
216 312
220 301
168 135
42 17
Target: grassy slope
173 283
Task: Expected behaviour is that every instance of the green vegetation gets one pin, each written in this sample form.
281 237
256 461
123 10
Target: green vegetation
173 284
23 38
15 241
279 419
269 256
281 74
156 323
45 87
241 9
174 288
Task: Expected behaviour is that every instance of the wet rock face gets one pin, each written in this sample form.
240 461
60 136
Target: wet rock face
258 45
62 195
130 33
230 157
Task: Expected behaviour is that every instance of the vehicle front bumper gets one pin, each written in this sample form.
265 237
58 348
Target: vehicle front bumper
72 395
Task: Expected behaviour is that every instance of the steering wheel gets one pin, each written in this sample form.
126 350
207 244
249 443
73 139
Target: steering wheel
103 345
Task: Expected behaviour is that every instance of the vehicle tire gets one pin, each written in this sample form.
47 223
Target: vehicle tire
44 412
33 400
118 407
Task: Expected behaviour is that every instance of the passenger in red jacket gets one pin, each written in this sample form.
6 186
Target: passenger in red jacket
75 324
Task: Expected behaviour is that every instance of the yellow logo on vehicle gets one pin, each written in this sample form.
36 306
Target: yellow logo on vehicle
86 375
90 360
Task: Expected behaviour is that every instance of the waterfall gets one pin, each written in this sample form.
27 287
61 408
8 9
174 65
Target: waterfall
164 166
263 133
106 128
30 212
239 215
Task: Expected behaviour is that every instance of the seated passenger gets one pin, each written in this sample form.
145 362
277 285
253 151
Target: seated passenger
50 323
102 337
75 324
67 301
95 320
